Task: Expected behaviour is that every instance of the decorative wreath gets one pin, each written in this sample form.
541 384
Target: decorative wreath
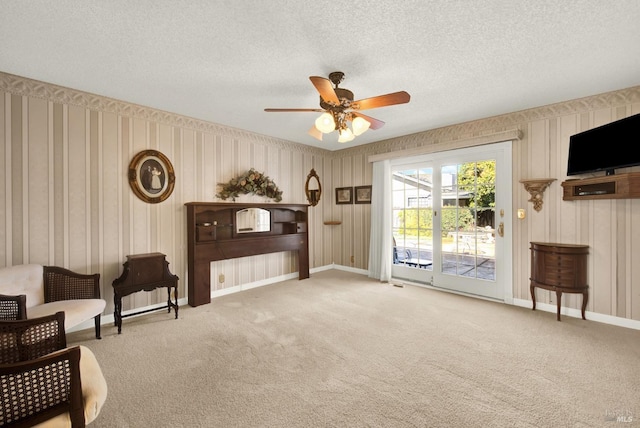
253 182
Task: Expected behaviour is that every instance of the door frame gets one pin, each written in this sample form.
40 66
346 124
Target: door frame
502 152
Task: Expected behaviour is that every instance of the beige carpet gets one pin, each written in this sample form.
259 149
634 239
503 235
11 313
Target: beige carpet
342 350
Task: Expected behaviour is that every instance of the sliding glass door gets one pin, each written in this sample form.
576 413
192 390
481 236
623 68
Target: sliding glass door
450 217
412 196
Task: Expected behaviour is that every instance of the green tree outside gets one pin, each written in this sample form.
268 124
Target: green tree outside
479 179
476 178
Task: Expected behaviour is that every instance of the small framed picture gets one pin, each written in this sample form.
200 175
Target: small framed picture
363 194
344 195
151 176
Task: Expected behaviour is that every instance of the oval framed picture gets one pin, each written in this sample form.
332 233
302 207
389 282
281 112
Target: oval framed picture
151 176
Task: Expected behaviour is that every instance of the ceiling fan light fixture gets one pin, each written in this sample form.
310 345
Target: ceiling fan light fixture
345 136
338 108
325 123
315 133
359 126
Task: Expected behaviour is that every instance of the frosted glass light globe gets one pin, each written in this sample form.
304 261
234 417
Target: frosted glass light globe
325 123
345 136
360 125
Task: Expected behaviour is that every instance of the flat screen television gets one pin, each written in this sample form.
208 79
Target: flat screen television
605 148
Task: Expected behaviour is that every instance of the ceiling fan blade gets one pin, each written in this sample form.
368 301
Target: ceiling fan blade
325 89
375 123
280 110
401 97
315 133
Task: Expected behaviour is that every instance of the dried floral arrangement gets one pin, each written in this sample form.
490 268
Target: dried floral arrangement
253 182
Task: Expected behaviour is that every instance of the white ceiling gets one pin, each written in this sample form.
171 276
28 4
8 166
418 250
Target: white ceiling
225 61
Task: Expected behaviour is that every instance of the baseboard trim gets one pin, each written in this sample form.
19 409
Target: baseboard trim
545 307
576 313
570 312
350 269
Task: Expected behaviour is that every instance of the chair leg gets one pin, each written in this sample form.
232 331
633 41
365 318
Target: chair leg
97 323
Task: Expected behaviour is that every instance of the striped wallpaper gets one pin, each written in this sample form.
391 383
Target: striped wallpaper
65 199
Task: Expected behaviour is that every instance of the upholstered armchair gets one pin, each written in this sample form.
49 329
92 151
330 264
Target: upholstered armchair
49 289
63 285
43 381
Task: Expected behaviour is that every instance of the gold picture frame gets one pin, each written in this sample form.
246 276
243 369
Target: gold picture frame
151 176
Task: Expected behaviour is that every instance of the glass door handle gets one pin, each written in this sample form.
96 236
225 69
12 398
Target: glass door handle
501 229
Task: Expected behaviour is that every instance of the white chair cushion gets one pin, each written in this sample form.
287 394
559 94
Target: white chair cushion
94 391
75 311
23 279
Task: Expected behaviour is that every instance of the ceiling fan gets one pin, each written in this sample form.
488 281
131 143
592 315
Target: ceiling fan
339 108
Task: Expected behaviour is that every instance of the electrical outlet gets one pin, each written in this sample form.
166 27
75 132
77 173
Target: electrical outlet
221 278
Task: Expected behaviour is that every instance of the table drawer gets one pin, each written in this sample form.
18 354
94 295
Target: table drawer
559 261
563 279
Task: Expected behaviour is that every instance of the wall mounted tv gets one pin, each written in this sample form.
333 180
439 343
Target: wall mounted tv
605 148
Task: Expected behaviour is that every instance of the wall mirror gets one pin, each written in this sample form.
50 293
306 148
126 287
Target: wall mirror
313 188
253 220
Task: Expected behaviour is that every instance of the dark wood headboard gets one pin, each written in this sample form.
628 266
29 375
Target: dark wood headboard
212 235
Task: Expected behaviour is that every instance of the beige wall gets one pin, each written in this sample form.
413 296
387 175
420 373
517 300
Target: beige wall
610 227
65 199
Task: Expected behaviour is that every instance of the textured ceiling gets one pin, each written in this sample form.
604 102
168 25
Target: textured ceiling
225 61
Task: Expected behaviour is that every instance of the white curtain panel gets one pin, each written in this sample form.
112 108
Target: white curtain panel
380 248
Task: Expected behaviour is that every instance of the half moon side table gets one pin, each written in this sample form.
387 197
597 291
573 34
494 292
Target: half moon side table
561 268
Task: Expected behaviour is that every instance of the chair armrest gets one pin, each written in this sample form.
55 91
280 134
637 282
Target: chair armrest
13 307
63 284
29 339
37 390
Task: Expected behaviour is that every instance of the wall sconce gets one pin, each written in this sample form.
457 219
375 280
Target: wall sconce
313 188
536 188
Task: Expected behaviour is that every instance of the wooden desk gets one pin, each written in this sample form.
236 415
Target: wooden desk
561 268
144 272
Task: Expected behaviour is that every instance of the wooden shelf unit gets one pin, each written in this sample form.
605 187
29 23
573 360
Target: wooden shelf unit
617 186
212 236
